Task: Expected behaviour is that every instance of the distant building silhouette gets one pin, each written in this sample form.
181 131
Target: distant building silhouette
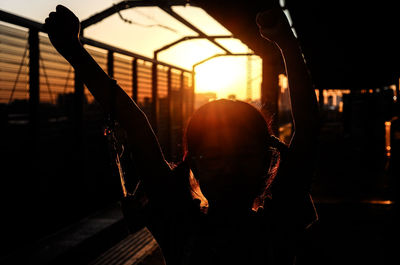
232 97
203 98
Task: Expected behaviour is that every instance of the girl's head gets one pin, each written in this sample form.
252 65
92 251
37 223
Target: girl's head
228 148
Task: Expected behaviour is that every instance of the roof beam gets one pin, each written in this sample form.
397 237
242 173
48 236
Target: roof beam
192 27
20 21
115 8
165 5
219 55
186 39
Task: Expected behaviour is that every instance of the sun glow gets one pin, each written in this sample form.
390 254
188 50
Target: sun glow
218 75
224 76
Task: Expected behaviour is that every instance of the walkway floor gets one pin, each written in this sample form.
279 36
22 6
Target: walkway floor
348 233
137 248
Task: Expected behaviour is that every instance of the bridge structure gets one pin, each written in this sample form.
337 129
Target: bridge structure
61 207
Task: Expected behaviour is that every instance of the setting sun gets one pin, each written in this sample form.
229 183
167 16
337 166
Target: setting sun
226 76
219 75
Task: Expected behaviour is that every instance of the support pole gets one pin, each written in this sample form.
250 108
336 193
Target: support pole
169 112
78 121
34 88
193 94
78 111
397 92
181 99
153 118
110 63
28 188
321 98
134 80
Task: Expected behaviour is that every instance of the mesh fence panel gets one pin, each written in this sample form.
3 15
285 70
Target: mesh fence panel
68 154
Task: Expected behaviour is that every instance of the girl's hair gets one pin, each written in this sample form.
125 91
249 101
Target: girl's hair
250 123
217 114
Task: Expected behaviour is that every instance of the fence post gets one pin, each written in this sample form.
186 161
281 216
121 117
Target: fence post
169 112
398 92
110 63
154 98
78 119
79 96
180 116
134 80
34 85
181 99
34 141
321 98
193 96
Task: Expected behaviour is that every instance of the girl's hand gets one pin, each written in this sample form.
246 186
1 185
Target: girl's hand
274 26
63 28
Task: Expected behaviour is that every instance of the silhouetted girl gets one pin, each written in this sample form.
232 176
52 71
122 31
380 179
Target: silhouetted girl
240 196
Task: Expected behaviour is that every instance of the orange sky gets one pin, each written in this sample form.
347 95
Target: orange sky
224 75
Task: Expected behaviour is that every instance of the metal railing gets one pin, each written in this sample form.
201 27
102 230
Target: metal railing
53 152
50 77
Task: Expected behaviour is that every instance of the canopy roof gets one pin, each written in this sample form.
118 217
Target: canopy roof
347 44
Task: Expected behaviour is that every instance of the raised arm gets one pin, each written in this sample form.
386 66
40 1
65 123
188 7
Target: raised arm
274 27
63 29
302 96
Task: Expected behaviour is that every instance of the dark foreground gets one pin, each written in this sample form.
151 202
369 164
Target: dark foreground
355 195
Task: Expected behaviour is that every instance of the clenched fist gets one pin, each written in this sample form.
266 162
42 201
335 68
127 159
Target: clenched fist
63 28
274 26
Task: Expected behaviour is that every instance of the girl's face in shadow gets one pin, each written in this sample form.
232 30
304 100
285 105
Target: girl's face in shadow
227 143
230 170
